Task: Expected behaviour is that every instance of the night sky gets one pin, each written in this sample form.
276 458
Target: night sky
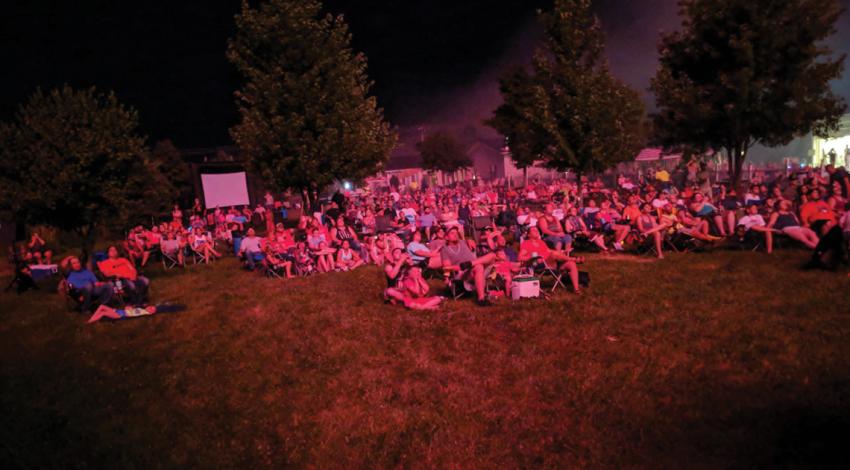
433 61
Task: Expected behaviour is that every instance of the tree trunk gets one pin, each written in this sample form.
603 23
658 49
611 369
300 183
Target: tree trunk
736 157
578 189
87 235
305 196
525 176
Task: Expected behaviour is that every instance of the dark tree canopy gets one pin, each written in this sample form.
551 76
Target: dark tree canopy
747 72
306 116
527 142
166 156
73 159
570 106
442 151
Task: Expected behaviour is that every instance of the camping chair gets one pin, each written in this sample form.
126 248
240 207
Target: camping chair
643 245
197 256
73 299
168 261
540 268
684 243
303 269
272 270
384 224
292 217
459 284
479 223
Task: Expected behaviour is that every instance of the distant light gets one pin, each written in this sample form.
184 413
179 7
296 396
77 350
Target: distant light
346 185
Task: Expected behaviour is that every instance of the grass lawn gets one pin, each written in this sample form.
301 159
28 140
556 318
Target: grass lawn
700 360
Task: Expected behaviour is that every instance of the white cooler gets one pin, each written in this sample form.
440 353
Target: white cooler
524 287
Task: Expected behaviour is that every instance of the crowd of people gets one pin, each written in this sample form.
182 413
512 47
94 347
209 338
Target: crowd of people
479 236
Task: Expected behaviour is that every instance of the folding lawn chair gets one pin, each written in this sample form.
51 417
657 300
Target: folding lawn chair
459 284
541 268
168 261
197 257
479 223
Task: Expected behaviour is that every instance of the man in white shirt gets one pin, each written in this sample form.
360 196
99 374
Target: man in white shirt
251 245
753 223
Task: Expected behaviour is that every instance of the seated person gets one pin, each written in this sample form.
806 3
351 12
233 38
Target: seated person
701 208
153 238
303 258
379 250
346 258
816 210
611 222
786 222
831 248
648 226
729 202
341 232
575 226
459 258
752 223
421 254
284 237
83 282
507 261
427 221
202 243
324 255
533 248
171 246
396 266
278 258
37 251
415 290
315 238
553 233
122 269
694 227
136 246
251 246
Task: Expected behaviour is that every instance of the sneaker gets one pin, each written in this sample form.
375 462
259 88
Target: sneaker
618 246
484 303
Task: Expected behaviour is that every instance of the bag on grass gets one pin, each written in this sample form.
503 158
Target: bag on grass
584 278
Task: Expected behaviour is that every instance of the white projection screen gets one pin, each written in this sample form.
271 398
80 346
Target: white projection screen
225 189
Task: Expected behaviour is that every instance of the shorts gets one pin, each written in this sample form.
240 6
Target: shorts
555 239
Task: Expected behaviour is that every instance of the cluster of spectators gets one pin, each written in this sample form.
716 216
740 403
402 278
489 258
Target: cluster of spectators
481 235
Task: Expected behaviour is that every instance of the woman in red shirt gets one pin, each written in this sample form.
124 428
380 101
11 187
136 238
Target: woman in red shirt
533 247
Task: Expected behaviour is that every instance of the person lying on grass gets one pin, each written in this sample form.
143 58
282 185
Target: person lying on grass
132 312
534 248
